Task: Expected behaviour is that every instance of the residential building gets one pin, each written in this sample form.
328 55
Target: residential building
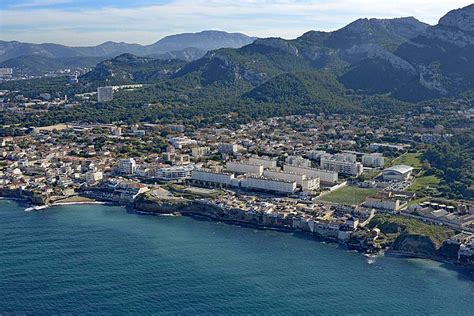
267 163
199 152
227 148
181 141
341 166
348 157
271 185
298 161
375 160
315 154
325 176
383 201
243 167
93 177
105 94
306 183
127 166
177 128
174 173
211 178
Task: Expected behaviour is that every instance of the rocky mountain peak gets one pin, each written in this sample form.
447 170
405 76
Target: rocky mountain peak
462 19
456 27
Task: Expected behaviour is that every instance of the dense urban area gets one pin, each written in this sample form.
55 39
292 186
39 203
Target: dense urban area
398 183
237 157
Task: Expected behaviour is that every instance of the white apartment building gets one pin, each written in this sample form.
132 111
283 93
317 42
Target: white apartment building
272 185
181 141
345 157
267 163
315 154
311 184
375 160
182 160
93 177
208 177
383 202
325 176
344 167
105 94
127 166
6 71
198 152
298 161
241 167
306 184
174 173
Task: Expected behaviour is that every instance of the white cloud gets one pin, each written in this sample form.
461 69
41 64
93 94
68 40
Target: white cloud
40 3
147 24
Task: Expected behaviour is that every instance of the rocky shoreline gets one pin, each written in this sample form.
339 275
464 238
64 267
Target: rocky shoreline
198 208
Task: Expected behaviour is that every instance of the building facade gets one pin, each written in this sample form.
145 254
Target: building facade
341 166
306 184
174 173
267 163
127 166
375 160
105 94
271 185
240 167
210 178
325 176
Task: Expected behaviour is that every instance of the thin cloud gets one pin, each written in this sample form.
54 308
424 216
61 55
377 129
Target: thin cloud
146 24
39 3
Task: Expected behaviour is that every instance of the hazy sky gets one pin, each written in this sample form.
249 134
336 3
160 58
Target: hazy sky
90 22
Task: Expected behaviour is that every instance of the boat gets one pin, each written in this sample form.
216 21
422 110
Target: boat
36 208
370 258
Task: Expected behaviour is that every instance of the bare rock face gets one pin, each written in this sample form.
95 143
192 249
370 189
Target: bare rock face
456 27
360 52
278 43
462 19
432 80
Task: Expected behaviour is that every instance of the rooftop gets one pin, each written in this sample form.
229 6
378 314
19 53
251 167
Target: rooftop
400 168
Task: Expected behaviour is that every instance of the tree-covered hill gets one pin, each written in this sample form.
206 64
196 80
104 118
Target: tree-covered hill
128 68
371 65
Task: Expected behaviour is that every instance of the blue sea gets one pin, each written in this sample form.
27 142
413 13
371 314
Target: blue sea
109 260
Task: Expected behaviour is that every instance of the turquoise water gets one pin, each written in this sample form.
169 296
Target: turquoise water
103 259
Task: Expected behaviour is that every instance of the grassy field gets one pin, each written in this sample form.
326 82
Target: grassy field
410 159
349 195
423 182
393 226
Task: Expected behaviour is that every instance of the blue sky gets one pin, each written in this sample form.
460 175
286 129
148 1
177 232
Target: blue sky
90 22
74 5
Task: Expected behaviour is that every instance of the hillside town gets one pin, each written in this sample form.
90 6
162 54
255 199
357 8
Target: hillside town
325 174
237 157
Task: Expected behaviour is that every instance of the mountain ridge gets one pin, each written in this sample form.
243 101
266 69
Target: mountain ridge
371 65
204 41
393 57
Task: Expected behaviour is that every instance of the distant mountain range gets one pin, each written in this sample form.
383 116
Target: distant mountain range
37 65
370 65
187 46
401 58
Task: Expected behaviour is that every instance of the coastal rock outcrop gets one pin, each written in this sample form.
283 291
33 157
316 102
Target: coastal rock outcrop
415 244
162 206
